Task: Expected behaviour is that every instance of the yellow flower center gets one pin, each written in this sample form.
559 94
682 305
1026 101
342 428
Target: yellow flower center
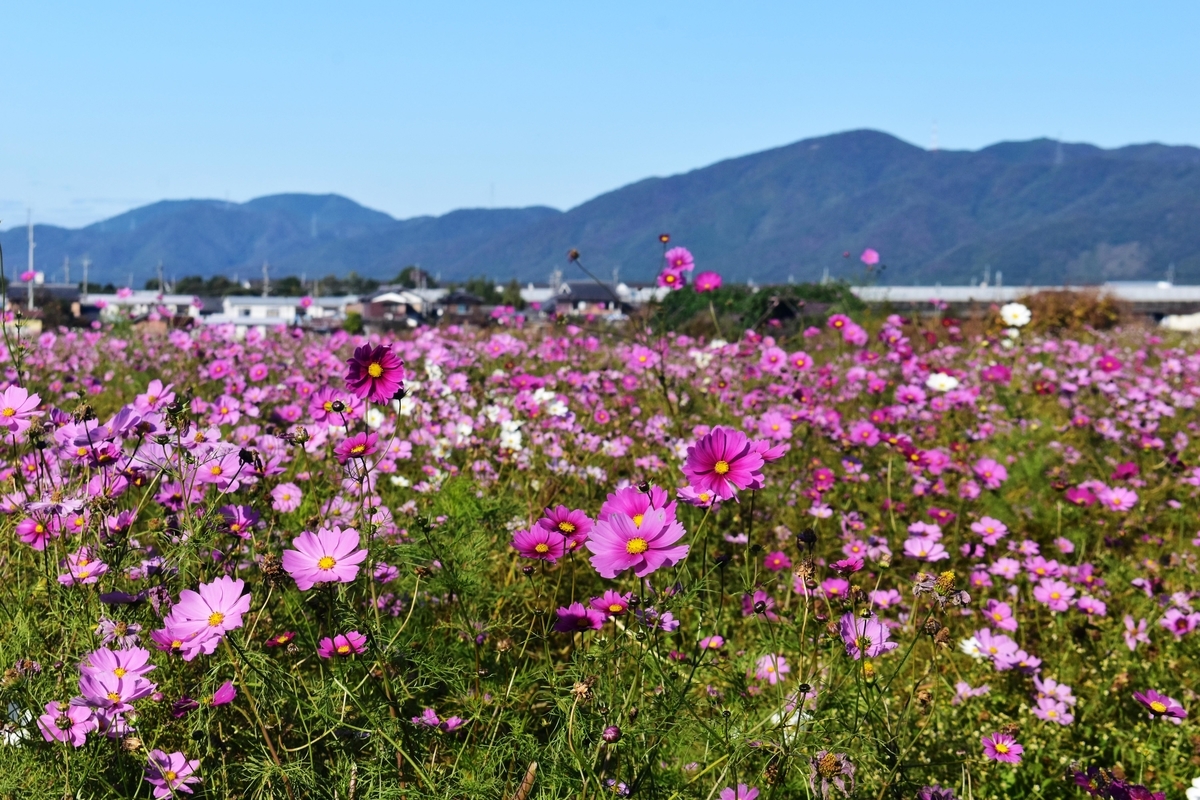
375 370
721 467
344 649
1158 707
116 698
119 672
1055 595
637 520
326 562
616 608
566 527
541 547
216 469
358 449
636 546
83 575
215 619
9 412
235 527
170 775
1001 748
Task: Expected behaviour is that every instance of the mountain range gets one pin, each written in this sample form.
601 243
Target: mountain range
1039 211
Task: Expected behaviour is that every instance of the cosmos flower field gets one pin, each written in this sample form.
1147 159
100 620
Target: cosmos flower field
878 557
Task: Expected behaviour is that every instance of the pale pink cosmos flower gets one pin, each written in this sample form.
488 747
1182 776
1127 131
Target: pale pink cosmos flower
1135 634
286 497
330 555
64 722
1117 498
17 408
201 619
771 668
1055 594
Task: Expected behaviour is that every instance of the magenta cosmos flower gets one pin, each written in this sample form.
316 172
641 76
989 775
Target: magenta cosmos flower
344 644
360 445
680 259
578 617
574 525
374 373
17 407
722 462
671 279
330 555
539 543
170 773
1002 747
620 543
708 282
1160 705
200 619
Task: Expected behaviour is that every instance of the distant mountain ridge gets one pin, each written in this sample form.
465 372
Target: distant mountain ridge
1039 211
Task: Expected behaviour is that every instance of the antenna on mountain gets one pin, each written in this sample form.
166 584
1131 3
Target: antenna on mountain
999 278
266 280
87 262
933 139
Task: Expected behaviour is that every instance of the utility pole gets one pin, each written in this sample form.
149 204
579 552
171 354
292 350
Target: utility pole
266 280
87 262
32 244
66 269
162 286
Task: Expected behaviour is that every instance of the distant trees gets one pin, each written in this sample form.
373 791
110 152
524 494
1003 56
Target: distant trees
492 294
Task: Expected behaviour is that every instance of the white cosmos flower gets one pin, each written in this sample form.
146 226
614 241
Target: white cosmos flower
375 417
1015 314
557 408
1193 793
400 480
971 647
941 382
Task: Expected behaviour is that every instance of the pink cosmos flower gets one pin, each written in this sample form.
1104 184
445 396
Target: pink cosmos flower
777 561
722 462
714 642
1135 634
620 542
430 719
360 445
1000 614
82 568
374 374
925 548
774 425
574 525
741 792
990 472
17 408
578 617
611 603
286 497
170 773
868 636
992 530
771 668
330 555
106 692
864 433
134 662
1002 747
672 279
539 543
344 644
1051 710
679 258
1117 498
707 282
869 257
1055 594
800 361
64 722
201 619
35 532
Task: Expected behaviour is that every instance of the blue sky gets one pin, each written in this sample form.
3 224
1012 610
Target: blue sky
425 107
